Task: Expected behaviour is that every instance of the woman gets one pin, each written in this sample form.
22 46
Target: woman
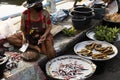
35 27
112 7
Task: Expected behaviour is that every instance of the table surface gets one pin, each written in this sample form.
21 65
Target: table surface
106 70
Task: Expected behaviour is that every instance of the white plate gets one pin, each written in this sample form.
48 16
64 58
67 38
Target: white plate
4 60
53 67
7 45
79 46
90 34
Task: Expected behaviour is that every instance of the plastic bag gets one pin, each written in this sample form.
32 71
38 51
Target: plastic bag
59 16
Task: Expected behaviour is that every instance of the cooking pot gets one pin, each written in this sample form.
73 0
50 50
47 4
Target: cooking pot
78 14
81 16
110 23
84 11
99 10
81 22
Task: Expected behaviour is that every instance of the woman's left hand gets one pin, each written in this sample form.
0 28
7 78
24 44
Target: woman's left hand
43 38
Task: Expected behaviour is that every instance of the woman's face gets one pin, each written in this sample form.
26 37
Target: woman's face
38 7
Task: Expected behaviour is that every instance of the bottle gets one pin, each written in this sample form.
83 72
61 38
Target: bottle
52 6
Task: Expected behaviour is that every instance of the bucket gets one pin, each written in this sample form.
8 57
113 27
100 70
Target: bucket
81 22
99 10
84 11
81 16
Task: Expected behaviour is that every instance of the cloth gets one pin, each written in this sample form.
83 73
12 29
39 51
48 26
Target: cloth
113 7
29 22
34 29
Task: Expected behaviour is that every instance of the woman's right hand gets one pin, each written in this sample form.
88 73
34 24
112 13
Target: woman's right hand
42 39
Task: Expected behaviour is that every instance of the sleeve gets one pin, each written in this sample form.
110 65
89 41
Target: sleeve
48 21
22 27
23 17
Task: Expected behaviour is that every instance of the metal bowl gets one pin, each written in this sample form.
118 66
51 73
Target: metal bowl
83 11
110 23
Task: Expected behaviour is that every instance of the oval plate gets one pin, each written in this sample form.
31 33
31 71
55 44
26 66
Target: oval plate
79 46
5 59
63 67
90 34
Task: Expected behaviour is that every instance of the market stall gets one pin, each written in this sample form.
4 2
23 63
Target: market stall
64 44
106 61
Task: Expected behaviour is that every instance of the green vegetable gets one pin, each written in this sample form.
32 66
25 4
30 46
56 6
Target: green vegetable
106 33
69 32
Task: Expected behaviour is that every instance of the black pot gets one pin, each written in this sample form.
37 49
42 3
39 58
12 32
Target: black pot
110 23
99 5
81 22
99 10
83 11
76 14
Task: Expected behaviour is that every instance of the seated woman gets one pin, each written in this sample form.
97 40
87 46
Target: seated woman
35 27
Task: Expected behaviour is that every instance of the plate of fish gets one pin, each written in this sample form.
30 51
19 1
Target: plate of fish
95 50
70 67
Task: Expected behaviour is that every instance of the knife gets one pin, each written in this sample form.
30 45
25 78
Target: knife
24 47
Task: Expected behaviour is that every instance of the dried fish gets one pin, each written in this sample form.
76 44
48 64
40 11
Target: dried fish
99 56
85 52
109 51
90 46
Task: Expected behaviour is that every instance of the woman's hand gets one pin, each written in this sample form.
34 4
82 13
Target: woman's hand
23 39
42 39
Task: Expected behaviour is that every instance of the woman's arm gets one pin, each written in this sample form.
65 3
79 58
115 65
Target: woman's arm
22 28
47 23
48 26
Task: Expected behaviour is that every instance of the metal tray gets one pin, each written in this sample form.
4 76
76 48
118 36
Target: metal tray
60 68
